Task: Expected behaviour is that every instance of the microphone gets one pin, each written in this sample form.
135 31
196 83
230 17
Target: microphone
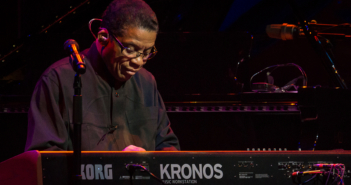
77 60
283 31
287 31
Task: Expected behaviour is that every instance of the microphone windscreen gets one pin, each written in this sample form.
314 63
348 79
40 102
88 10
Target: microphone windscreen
274 31
282 31
69 42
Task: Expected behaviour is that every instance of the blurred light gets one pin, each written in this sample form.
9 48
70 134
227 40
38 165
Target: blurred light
237 9
179 17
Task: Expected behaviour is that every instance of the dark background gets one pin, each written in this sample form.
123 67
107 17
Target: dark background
213 31
200 43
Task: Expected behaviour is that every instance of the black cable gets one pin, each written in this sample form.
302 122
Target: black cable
335 170
340 174
132 167
326 182
335 180
130 171
314 176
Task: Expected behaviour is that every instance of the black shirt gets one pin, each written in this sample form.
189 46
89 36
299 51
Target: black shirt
133 114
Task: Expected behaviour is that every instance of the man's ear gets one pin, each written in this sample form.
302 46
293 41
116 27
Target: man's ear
103 37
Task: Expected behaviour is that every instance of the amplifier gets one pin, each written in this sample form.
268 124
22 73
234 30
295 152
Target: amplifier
219 167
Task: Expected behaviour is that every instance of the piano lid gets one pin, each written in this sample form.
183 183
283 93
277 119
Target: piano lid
199 62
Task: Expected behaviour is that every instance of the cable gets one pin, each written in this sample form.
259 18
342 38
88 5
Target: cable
304 83
336 170
132 167
298 175
314 176
91 22
278 65
248 56
326 182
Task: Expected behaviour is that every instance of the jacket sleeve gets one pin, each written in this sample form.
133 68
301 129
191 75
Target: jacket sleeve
166 140
46 128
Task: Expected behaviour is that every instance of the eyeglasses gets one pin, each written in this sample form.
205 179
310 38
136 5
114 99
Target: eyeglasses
130 53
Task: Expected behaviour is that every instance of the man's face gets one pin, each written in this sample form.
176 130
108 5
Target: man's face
121 67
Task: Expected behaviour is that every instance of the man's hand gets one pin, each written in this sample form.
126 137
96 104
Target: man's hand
134 148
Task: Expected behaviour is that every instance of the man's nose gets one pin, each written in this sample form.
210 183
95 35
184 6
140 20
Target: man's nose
137 62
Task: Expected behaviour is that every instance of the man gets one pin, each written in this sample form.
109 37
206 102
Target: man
122 108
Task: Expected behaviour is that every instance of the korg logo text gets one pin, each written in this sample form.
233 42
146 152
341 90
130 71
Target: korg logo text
96 172
187 171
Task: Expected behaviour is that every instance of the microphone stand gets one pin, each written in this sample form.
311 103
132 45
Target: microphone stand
79 67
327 58
78 64
77 128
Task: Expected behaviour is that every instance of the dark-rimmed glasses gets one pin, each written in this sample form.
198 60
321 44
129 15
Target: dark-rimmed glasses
130 53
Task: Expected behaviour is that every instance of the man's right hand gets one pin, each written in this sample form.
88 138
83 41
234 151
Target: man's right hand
133 148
